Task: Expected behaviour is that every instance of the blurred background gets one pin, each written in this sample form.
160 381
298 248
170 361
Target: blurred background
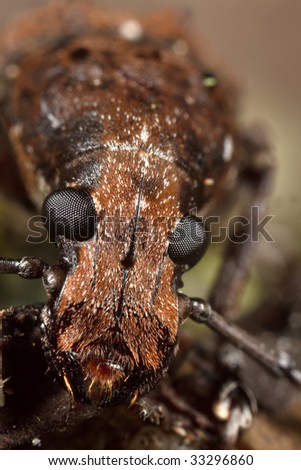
258 44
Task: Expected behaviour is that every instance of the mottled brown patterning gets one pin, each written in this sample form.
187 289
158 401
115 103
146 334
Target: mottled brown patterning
124 109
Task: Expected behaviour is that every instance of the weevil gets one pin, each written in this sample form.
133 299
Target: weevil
125 141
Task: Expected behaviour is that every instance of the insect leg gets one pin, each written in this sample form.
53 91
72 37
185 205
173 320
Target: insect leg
148 411
23 321
256 177
280 364
10 179
31 267
28 267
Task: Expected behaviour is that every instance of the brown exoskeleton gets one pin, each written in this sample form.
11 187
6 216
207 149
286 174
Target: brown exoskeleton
120 133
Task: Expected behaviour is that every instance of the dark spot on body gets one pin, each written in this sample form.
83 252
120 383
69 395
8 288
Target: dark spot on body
79 54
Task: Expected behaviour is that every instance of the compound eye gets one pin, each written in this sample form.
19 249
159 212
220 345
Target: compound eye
188 242
71 213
